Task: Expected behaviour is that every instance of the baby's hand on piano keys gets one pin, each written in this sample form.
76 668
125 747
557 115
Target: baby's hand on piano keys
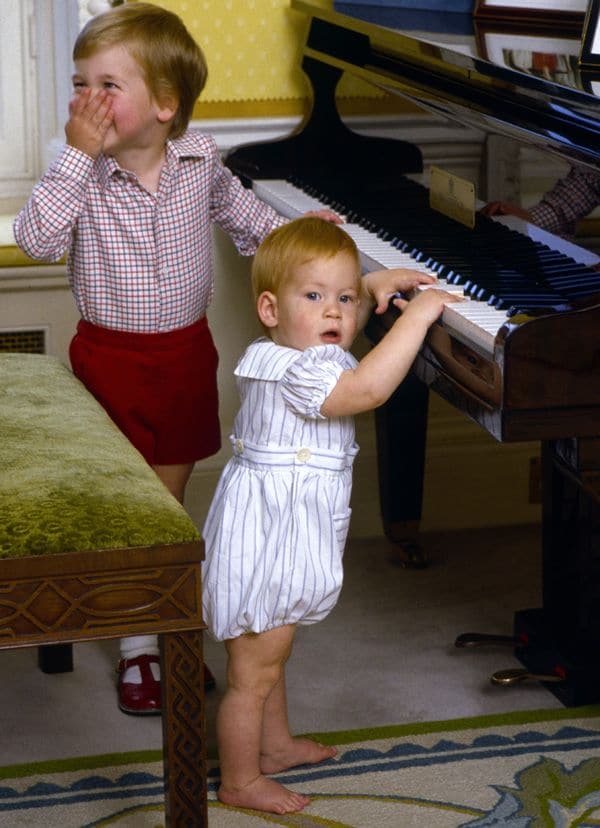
383 285
427 304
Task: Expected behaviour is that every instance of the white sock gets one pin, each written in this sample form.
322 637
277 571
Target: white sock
136 645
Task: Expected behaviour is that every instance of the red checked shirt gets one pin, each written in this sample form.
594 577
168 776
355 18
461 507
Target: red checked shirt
140 261
571 198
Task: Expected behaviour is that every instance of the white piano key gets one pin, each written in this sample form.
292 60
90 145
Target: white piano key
474 323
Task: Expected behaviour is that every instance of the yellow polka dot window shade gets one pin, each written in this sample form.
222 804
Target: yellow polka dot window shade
253 51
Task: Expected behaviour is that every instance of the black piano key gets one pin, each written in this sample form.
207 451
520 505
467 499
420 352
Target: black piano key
498 264
527 301
583 293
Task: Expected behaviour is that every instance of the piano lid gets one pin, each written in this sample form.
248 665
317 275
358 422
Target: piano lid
525 84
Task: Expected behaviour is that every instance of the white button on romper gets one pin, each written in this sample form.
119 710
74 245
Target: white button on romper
277 526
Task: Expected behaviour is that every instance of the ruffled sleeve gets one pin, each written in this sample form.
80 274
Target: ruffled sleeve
310 379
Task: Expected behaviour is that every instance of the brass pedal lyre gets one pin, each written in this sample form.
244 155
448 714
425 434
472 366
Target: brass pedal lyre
506 678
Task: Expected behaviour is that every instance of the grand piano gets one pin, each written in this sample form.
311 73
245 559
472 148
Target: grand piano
522 356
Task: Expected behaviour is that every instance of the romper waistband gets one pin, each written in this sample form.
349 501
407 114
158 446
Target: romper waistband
134 341
302 456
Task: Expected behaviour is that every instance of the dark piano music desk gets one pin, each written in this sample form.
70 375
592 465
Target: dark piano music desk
540 379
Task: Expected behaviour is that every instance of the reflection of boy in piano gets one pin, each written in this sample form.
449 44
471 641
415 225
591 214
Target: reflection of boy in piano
559 210
278 522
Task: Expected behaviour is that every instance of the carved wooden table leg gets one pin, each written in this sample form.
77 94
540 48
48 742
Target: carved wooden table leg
184 740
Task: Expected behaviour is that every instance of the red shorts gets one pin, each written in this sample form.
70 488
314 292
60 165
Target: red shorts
160 389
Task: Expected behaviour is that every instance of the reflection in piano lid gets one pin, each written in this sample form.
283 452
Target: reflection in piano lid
555 113
548 52
590 81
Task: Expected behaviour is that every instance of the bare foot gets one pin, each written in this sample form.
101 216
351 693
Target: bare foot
264 794
297 752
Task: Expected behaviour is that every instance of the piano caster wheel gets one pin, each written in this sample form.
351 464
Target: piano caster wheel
479 639
506 678
409 555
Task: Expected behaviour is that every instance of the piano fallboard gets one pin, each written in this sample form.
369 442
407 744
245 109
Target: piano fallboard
558 115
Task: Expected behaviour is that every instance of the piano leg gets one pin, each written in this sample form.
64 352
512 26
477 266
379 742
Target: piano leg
563 637
401 430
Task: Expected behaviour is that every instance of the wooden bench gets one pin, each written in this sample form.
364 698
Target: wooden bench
92 546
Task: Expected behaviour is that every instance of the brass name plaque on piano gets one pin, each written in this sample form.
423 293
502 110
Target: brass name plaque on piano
452 196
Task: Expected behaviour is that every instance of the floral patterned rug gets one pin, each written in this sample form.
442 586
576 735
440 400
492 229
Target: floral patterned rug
540 768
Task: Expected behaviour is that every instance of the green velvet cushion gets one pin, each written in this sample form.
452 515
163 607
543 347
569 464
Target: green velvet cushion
69 480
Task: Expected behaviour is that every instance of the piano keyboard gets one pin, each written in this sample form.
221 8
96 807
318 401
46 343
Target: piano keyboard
473 321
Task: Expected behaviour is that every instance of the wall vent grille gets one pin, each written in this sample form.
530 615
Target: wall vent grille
23 341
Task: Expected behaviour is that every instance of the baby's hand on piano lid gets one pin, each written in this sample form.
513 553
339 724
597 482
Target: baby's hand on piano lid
326 215
384 285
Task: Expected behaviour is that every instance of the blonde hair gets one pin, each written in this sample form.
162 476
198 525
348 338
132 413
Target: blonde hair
294 244
171 61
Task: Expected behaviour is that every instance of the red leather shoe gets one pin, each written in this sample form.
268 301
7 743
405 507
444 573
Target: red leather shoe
139 699
145 698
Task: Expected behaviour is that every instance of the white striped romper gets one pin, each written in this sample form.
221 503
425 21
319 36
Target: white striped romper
278 522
